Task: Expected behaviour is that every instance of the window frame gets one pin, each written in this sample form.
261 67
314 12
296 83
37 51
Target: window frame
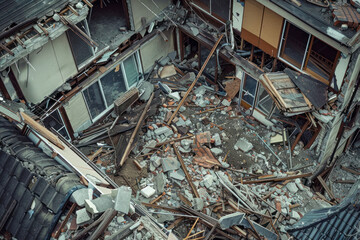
306 56
123 71
203 8
68 138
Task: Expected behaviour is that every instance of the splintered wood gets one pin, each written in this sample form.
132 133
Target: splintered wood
204 157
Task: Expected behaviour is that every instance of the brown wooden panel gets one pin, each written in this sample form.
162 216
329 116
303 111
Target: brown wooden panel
267 48
249 37
253 14
271 29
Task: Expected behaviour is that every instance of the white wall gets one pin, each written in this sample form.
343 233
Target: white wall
77 113
53 65
156 48
139 10
340 70
237 14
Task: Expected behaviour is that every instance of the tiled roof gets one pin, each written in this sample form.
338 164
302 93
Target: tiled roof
339 222
38 194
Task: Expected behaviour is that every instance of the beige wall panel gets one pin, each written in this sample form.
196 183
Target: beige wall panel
271 28
155 49
77 113
252 17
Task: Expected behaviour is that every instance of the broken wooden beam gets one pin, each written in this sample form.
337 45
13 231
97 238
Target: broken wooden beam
196 79
95 154
133 135
2 46
187 175
349 170
42 130
345 181
327 189
278 179
62 225
109 215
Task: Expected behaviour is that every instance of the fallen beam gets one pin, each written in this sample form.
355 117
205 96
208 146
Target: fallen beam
327 189
133 135
349 170
196 79
278 179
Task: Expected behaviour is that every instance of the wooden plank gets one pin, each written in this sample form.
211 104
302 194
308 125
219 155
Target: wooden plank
133 135
187 175
42 130
110 214
62 225
196 79
299 135
349 170
95 154
327 189
278 179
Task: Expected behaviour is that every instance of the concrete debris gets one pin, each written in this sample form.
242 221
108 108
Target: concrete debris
82 216
291 186
99 205
122 200
216 151
170 163
230 220
244 145
148 191
79 196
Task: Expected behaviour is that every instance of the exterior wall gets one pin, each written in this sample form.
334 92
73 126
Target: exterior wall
53 64
77 113
340 70
155 49
139 10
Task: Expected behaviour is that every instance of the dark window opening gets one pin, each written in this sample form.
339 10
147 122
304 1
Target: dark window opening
94 100
113 85
249 90
80 49
55 121
216 8
106 18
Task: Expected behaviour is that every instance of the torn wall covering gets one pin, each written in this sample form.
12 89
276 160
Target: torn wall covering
139 10
51 65
155 49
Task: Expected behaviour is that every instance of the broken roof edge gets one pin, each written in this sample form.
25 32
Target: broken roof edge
327 35
35 43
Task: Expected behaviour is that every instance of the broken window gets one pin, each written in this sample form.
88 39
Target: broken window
211 66
264 102
219 9
101 95
113 84
94 100
55 121
249 90
307 53
80 49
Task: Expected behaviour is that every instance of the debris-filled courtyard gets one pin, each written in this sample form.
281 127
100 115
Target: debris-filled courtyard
184 119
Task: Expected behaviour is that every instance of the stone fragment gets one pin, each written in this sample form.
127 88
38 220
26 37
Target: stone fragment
177 175
159 183
149 146
230 220
147 191
198 204
170 163
216 151
217 139
208 180
174 95
99 205
225 103
79 196
82 216
122 200
291 186
244 145
163 130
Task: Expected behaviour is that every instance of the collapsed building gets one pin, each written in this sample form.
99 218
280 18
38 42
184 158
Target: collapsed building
229 113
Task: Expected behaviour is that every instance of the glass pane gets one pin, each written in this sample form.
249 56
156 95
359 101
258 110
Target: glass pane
64 133
294 45
221 8
131 70
321 59
113 84
94 100
249 90
265 101
81 50
53 121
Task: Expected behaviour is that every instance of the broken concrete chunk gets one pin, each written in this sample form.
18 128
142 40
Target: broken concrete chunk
170 163
216 151
177 175
217 139
231 220
291 186
147 191
163 130
122 200
160 183
99 205
198 204
225 103
79 196
208 180
82 216
149 146
175 96
244 145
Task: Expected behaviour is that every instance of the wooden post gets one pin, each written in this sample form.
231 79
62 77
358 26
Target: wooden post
196 79
299 135
133 135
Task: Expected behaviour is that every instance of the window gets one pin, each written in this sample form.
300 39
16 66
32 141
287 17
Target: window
55 121
81 50
219 9
100 96
249 90
307 53
264 102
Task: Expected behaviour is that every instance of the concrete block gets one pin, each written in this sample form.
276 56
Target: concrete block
217 139
225 103
163 130
82 216
99 205
170 163
216 151
208 180
175 96
148 146
231 220
291 186
122 200
160 183
79 196
148 191
177 175
198 204
244 145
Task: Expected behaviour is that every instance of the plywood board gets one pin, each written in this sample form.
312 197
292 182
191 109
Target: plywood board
253 17
271 28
